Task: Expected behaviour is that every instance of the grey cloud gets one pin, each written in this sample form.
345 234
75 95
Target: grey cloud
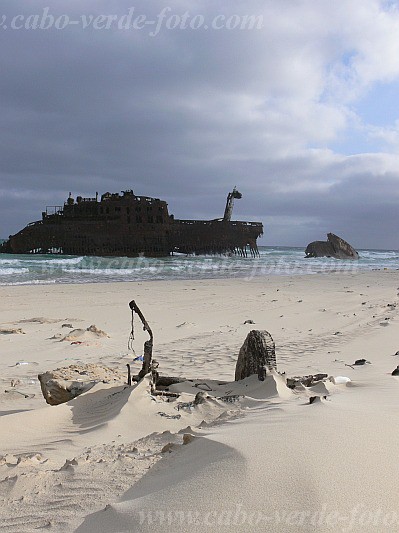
185 116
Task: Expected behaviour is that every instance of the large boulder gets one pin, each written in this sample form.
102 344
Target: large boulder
333 247
64 384
257 355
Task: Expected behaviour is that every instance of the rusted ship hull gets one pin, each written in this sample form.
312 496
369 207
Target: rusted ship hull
129 226
83 238
216 236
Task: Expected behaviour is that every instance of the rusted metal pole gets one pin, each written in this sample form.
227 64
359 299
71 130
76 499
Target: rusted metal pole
147 355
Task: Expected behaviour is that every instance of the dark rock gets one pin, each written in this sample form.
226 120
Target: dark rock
168 448
396 371
187 438
360 362
333 247
314 399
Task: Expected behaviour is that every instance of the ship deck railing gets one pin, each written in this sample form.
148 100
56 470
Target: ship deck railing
54 210
218 220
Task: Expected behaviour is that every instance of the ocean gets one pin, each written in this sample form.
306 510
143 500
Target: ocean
273 261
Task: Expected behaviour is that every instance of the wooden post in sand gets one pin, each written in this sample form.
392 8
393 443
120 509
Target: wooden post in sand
257 355
147 355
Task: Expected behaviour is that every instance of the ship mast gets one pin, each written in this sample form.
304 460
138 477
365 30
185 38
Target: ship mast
230 203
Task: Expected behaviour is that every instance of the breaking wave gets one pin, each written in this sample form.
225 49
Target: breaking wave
11 271
42 269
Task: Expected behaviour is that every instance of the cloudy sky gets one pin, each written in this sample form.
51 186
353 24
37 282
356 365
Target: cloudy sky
293 101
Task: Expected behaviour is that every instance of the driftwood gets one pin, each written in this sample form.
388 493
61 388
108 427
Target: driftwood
149 365
147 356
257 355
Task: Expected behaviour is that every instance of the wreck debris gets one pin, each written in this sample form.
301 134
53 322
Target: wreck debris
147 356
154 374
229 399
333 247
11 331
149 364
314 399
200 398
307 381
257 355
162 381
170 417
166 381
165 394
21 393
230 204
154 382
184 405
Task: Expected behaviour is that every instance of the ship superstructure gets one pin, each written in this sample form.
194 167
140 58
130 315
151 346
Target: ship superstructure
129 225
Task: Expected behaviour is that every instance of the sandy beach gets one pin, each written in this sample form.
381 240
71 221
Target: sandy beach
117 459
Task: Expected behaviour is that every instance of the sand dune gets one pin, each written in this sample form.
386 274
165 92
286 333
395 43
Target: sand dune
256 456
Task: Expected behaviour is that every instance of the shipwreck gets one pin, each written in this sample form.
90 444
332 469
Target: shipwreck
334 246
131 226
